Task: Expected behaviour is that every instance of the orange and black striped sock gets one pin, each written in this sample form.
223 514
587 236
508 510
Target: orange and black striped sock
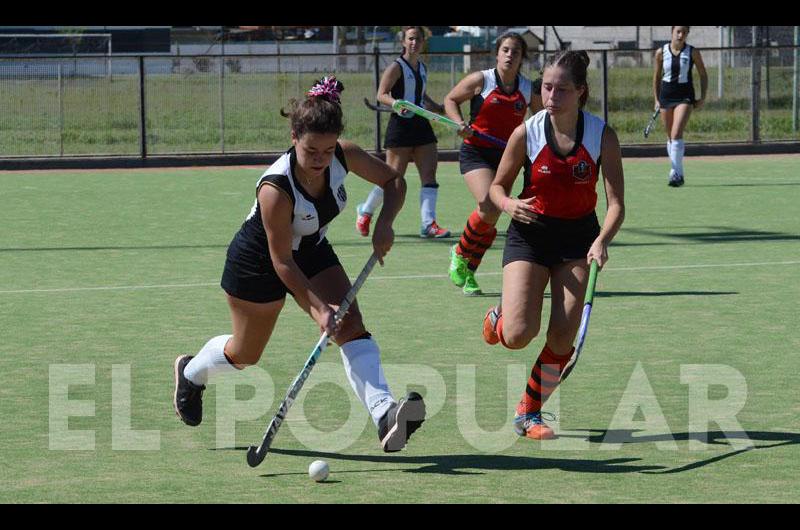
475 240
544 379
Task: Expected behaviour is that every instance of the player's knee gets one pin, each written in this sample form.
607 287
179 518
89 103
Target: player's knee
516 337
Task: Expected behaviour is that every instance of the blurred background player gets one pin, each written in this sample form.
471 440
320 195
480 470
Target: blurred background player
674 94
408 136
499 99
281 247
554 233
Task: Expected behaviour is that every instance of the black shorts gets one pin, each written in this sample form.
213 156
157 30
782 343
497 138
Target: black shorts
254 278
549 241
408 132
671 97
471 158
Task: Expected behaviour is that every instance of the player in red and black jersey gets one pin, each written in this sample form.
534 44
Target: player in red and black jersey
554 233
499 100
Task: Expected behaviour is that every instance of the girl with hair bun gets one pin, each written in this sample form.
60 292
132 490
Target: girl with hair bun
281 248
554 233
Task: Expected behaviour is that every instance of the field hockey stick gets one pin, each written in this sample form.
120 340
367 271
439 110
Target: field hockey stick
419 111
377 108
652 122
255 455
587 311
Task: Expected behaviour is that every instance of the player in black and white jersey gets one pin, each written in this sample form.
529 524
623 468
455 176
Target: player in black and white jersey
408 136
281 248
673 91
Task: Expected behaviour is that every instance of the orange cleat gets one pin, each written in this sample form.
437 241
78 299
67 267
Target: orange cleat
532 426
490 326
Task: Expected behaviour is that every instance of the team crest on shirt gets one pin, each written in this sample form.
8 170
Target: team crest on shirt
518 106
581 170
341 193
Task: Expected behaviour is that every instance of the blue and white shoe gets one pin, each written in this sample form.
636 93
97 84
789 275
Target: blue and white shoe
531 425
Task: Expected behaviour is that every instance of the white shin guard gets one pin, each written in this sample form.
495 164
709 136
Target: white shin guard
362 363
209 360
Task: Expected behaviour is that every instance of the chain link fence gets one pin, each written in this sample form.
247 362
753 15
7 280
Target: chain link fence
157 105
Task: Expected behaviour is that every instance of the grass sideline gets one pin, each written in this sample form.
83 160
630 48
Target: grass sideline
122 267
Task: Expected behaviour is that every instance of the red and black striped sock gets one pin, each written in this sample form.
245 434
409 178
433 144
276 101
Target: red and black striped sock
475 240
544 379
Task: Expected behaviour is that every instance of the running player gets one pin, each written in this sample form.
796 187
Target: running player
499 99
554 233
408 137
674 94
281 248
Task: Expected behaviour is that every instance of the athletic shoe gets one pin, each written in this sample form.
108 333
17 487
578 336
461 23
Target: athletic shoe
532 426
470 285
188 399
433 231
400 422
362 221
458 267
675 180
490 326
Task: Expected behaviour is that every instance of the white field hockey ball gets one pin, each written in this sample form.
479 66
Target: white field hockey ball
318 470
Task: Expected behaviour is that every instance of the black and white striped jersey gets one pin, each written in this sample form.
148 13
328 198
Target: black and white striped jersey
310 216
411 85
676 80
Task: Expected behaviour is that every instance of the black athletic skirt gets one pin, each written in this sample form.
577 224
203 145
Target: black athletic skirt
549 241
471 157
251 276
672 95
408 132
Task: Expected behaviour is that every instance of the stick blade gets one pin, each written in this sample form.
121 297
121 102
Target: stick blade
253 456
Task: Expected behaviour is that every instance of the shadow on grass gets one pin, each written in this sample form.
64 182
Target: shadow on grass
711 234
459 464
626 436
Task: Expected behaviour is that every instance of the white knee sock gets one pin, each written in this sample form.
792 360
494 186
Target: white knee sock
374 200
362 363
677 152
208 361
427 203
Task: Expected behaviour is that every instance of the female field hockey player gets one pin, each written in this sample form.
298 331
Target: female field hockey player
499 99
674 94
281 248
408 137
554 233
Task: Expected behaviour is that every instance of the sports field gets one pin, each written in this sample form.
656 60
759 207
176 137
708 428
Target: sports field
687 389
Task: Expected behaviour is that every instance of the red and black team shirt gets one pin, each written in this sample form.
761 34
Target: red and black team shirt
496 113
563 186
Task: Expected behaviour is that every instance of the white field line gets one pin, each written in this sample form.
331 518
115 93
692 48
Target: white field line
404 277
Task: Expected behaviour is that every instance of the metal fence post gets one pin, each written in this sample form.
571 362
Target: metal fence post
142 113
377 57
755 92
222 103
60 110
796 79
605 86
